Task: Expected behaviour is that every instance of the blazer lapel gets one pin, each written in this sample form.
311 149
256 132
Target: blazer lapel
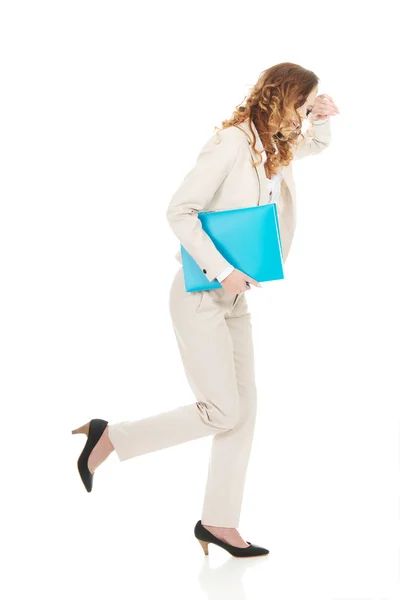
263 197
287 185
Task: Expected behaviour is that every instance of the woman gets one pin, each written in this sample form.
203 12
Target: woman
246 163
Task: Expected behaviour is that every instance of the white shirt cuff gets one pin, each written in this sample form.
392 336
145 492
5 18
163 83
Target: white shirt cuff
320 121
225 273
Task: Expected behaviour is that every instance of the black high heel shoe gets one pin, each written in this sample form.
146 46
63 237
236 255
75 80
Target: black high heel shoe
205 537
94 430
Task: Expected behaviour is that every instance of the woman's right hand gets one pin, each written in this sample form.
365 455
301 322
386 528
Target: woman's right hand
236 282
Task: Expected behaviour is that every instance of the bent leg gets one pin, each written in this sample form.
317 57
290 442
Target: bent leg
206 348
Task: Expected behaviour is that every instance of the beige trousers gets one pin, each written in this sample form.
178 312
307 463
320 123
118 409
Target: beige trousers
214 334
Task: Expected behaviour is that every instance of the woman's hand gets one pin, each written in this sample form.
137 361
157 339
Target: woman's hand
236 282
323 107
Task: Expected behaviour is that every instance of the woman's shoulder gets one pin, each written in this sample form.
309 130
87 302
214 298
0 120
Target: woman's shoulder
230 137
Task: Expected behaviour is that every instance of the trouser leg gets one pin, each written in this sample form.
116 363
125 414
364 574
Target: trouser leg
206 347
231 449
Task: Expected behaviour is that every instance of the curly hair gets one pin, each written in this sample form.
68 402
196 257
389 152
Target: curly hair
270 105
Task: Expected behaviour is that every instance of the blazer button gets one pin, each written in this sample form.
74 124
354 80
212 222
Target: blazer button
204 271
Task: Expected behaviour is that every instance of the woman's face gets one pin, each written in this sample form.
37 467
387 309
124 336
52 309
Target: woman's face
304 109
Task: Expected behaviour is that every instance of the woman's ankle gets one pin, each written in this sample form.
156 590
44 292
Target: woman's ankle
108 441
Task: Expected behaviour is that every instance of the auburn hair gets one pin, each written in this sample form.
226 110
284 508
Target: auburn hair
270 105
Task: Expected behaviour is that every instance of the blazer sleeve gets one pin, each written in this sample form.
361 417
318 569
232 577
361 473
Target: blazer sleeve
215 161
316 138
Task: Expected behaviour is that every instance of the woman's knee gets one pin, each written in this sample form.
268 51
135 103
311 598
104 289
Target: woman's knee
221 419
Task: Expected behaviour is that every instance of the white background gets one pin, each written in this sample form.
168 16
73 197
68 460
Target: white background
104 108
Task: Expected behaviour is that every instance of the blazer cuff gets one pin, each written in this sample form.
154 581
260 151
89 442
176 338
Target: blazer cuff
225 273
217 267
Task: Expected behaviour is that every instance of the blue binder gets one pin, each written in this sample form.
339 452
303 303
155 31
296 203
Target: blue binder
248 238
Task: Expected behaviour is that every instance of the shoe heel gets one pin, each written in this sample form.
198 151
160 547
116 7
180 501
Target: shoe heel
83 429
204 545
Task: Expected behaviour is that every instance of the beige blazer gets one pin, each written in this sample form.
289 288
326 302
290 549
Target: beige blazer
223 178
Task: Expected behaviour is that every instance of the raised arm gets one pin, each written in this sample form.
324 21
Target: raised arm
316 138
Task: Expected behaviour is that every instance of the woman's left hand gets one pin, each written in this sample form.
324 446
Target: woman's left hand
323 107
